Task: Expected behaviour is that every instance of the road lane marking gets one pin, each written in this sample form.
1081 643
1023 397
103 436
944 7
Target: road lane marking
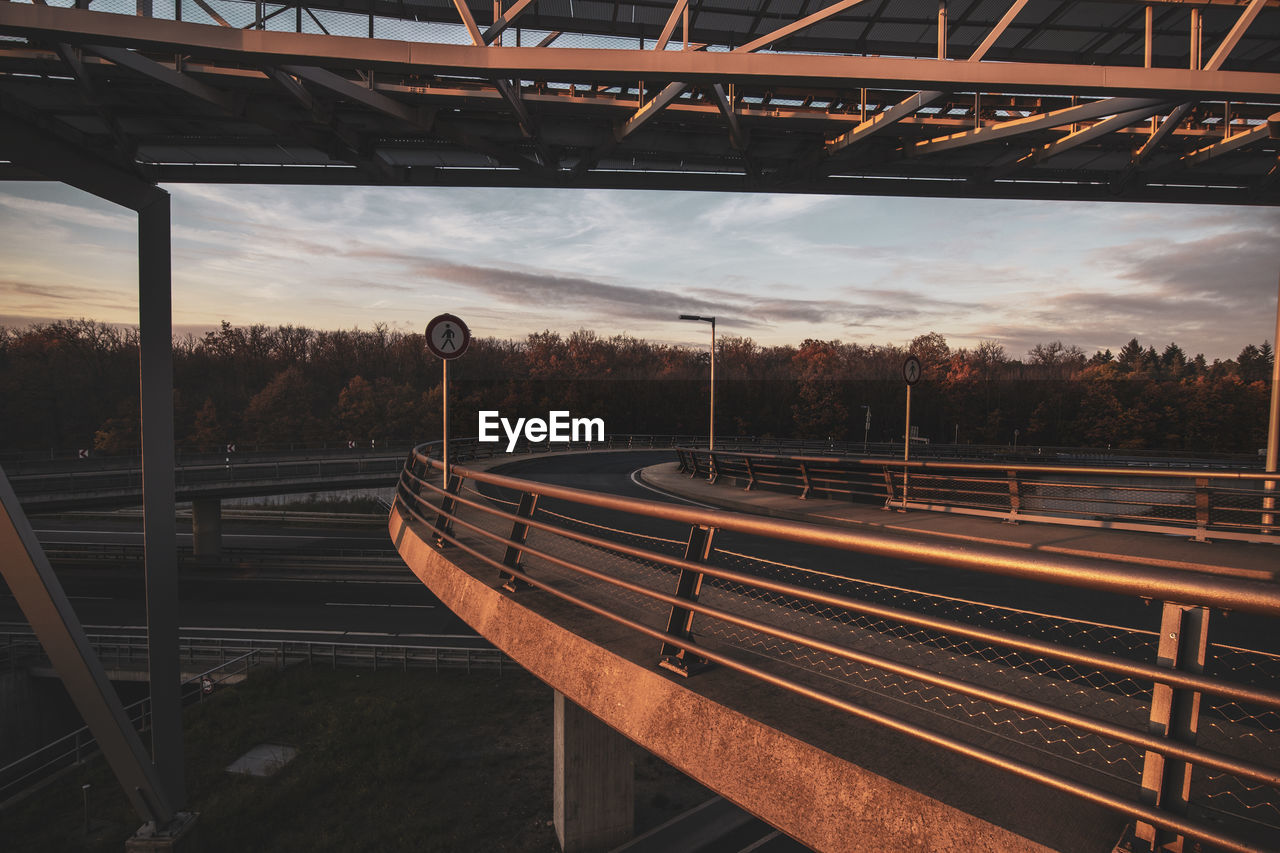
137 534
642 484
361 604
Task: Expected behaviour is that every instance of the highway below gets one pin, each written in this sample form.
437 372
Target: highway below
266 585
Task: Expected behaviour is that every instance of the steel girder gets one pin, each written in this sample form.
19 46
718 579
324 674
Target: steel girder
834 96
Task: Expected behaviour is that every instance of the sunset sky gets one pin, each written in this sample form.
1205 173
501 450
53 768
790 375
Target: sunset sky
776 268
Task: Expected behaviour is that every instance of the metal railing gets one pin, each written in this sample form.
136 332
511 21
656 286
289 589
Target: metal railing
1222 503
1158 722
226 660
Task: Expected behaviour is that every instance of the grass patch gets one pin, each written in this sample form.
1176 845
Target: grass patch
387 762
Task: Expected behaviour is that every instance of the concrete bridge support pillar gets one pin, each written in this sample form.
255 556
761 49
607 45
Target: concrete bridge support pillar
206 527
594 782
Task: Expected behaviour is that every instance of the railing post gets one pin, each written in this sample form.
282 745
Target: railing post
751 474
888 488
804 474
714 472
519 532
443 524
1202 509
693 464
1175 714
1015 497
680 622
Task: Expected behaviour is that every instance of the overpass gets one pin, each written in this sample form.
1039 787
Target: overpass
857 711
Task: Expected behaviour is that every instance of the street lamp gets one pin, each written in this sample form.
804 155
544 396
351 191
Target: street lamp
866 430
711 430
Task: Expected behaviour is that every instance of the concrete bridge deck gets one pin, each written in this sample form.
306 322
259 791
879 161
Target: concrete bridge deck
834 782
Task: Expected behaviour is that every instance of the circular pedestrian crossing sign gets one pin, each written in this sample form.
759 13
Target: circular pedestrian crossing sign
911 370
447 336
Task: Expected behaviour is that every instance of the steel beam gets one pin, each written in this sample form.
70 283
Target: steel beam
998 30
1215 64
796 26
1071 140
677 12
41 151
920 100
344 88
469 21
34 585
1225 146
505 20
736 134
160 536
258 47
164 74
1015 127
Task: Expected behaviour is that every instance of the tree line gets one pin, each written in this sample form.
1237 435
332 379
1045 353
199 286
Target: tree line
74 384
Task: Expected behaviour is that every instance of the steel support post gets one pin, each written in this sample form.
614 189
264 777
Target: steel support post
447 503
714 470
1175 714
1273 431
751 475
1015 497
680 623
1202 509
888 488
160 535
808 486
39 594
515 549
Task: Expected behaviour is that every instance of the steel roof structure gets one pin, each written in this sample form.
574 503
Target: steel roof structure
1095 99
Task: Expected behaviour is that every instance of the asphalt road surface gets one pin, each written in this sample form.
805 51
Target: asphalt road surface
612 473
393 603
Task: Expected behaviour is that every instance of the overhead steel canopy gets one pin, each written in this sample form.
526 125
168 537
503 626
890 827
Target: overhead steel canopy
1102 99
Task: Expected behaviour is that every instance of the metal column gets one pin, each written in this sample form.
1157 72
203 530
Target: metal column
160 536
36 588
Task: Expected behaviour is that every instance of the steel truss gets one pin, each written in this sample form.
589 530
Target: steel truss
1112 99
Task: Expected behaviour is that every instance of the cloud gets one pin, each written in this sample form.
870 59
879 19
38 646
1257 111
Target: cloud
749 211
37 298
1236 267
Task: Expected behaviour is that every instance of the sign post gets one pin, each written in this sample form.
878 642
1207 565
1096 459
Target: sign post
911 373
447 337
1273 431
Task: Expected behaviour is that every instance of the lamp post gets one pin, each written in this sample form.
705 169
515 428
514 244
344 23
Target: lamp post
711 429
866 430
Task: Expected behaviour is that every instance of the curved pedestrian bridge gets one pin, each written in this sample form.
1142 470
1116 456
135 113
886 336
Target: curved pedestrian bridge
855 703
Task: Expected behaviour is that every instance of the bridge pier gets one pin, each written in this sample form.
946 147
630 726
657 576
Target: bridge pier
206 527
594 782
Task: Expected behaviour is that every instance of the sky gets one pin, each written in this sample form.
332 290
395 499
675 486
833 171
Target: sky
775 268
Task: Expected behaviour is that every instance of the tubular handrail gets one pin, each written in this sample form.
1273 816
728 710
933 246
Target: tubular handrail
1103 575
1222 503
934 464
448 520
1266 775
1178 678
